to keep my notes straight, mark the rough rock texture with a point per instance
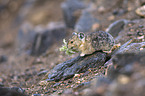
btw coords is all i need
(76, 65)
(132, 30)
(128, 74)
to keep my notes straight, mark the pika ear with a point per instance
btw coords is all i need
(81, 35)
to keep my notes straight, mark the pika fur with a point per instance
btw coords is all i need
(89, 43)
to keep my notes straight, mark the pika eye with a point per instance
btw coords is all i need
(71, 42)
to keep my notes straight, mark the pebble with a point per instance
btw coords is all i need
(43, 82)
(38, 95)
(1, 84)
(3, 58)
(42, 73)
(123, 79)
(112, 17)
(56, 84)
(140, 11)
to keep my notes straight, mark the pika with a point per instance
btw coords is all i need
(89, 43)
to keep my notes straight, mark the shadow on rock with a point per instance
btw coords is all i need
(14, 91)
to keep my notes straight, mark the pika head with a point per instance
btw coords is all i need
(75, 42)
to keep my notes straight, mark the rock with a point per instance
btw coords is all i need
(99, 81)
(70, 7)
(129, 52)
(85, 22)
(3, 58)
(37, 61)
(36, 41)
(14, 91)
(140, 11)
(1, 82)
(108, 63)
(76, 65)
(25, 37)
(45, 38)
(42, 72)
(96, 88)
(103, 4)
(18, 89)
(132, 30)
(127, 77)
(129, 47)
(126, 86)
(56, 84)
(119, 12)
(130, 58)
(37, 95)
(116, 27)
(128, 74)
(67, 92)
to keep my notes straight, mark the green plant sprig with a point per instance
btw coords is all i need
(66, 49)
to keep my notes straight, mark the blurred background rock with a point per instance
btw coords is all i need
(19, 17)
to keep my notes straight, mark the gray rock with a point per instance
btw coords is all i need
(105, 3)
(45, 38)
(99, 81)
(130, 47)
(1, 82)
(116, 27)
(3, 58)
(128, 53)
(69, 8)
(25, 37)
(37, 94)
(14, 91)
(132, 30)
(96, 85)
(85, 22)
(56, 84)
(36, 41)
(122, 59)
(42, 72)
(84, 84)
(119, 12)
(76, 65)
(126, 48)
(128, 75)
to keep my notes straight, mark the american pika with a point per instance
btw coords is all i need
(89, 43)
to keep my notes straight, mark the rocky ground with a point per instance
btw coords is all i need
(31, 33)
